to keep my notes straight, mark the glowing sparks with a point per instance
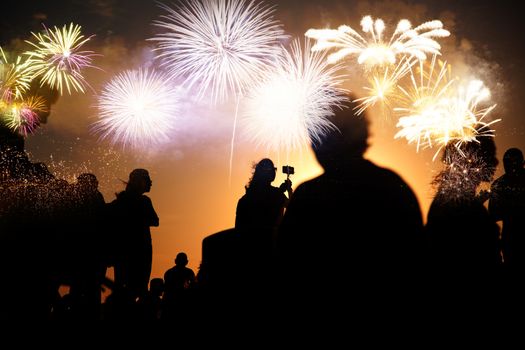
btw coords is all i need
(439, 110)
(23, 116)
(466, 167)
(383, 85)
(421, 104)
(15, 78)
(413, 42)
(137, 108)
(291, 106)
(219, 46)
(57, 58)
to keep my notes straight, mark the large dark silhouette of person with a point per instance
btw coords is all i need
(507, 204)
(463, 237)
(350, 238)
(237, 263)
(132, 214)
(179, 281)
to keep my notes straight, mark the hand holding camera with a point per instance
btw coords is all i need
(286, 186)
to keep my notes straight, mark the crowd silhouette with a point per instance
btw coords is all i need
(350, 241)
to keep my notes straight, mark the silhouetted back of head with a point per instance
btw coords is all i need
(156, 286)
(347, 139)
(181, 259)
(88, 181)
(513, 160)
(467, 165)
(40, 173)
(139, 181)
(264, 172)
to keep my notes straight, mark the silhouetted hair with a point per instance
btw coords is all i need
(181, 259)
(467, 163)
(263, 172)
(513, 160)
(87, 179)
(135, 178)
(514, 153)
(156, 285)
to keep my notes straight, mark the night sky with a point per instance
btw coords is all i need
(192, 191)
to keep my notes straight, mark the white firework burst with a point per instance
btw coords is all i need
(219, 46)
(137, 108)
(439, 109)
(375, 50)
(291, 106)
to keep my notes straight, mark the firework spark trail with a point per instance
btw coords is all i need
(466, 167)
(219, 46)
(438, 109)
(420, 108)
(57, 60)
(15, 78)
(138, 108)
(290, 107)
(414, 42)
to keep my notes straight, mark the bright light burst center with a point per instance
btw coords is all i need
(138, 108)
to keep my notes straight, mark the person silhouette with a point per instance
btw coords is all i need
(262, 206)
(86, 243)
(178, 281)
(150, 306)
(507, 204)
(463, 237)
(351, 237)
(133, 214)
(258, 214)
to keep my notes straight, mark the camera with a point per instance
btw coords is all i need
(288, 170)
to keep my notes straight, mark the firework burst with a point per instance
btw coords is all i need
(15, 78)
(465, 167)
(219, 46)
(290, 107)
(383, 86)
(138, 108)
(23, 116)
(405, 40)
(57, 58)
(438, 109)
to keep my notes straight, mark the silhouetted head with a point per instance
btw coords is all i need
(467, 165)
(10, 140)
(181, 259)
(475, 158)
(87, 181)
(513, 160)
(139, 181)
(156, 286)
(263, 172)
(346, 140)
(39, 173)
